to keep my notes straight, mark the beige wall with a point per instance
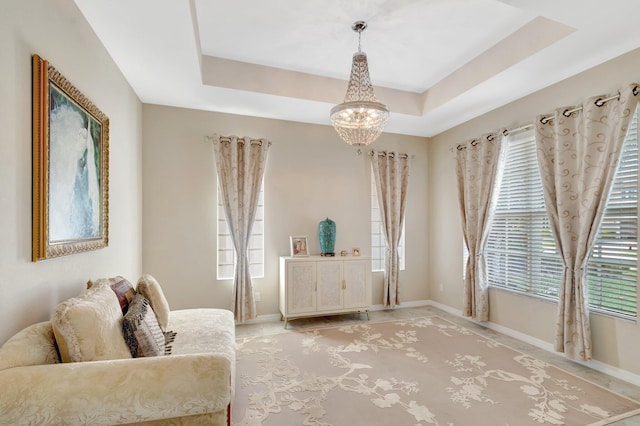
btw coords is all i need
(57, 31)
(310, 175)
(615, 342)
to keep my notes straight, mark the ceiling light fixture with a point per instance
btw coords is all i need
(360, 119)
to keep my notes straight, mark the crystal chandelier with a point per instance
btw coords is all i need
(360, 119)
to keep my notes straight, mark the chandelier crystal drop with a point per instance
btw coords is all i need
(360, 119)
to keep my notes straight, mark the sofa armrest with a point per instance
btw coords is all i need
(115, 391)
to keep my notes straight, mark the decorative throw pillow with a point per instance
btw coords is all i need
(149, 287)
(124, 292)
(89, 327)
(121, 287)
(141, 330)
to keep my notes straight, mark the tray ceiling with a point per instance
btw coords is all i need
(435, 63)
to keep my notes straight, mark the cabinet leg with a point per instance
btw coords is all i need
(368, 318)
(281, 316)
(285, 322)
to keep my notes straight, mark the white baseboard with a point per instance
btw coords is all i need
(446, 308)
(412, 304)
(263, 318)
(520, 336)
(616, 372)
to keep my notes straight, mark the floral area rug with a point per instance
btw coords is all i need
(421, 371)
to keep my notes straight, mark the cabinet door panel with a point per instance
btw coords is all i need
(329, 295)
(357, 292)
(301, 284)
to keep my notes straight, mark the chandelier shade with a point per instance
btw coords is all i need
(360, 119)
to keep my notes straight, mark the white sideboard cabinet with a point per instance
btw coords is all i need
(316, 285)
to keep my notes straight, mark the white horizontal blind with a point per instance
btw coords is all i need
(521, 251)
(226, 253)
(378, 246)
(465, 258)
(612, 267)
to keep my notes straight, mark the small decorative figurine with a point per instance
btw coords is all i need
(343, 253)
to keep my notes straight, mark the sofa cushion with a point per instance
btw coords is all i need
(205, 330)
(89, 327)
(121, 287)
(34, 345)
(141, 330)
(149, 287)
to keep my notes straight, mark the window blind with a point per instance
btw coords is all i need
(612, 267)
(226, 259)
(521, 252)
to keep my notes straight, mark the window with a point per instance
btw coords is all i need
(521, 251)
(226, 252)
(612, 267)
(378, 246)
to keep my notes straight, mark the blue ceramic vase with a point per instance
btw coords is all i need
(327, 237)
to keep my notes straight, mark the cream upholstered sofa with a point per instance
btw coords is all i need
(194, 384)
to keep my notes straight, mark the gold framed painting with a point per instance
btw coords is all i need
(70, 167)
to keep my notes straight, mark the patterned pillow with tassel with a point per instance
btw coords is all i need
(141, 330)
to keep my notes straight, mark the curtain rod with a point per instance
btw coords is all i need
(546, 119)
(241, 140)
(599, 102)
(384, 153)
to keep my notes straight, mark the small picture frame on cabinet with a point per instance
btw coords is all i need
(299, 246)
(355, 251)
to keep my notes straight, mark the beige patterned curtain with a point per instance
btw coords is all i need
(240, 163)
(391, 174)
(578, 153)
(479, 171)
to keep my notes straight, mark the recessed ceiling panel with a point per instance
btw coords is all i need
(410, 44)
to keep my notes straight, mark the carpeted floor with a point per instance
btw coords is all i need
(414, 371)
